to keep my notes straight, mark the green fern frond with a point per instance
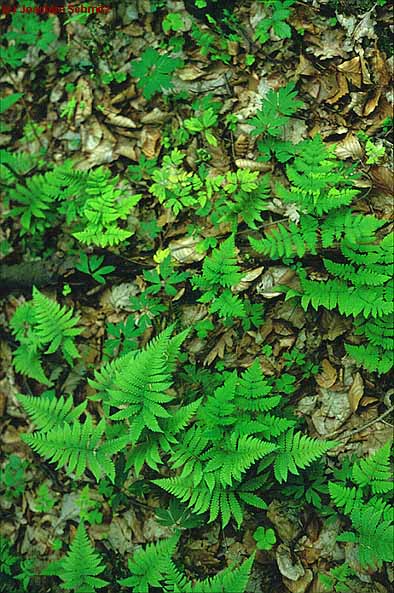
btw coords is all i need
(297, 451)
(46, 411)
(375, 471)
(82, 565)
(55, 325)
(289, 241)
(220, 269)
(27, 361)
(345, 496)
(228, 305)
(375, 535)
(148, 567)
(77, 446)
(373, 358)
(253, 390)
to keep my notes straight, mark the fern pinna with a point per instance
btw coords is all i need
(366, 504)
(360, 282)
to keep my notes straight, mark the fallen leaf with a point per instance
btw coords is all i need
(349, 147)
(352, 70)
(356, 392)
(328, 376)
(150, 142)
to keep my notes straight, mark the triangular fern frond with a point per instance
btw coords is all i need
(82, 565)
(375, 471)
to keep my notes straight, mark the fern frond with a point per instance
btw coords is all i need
(345, 496)
(375, 471)
(297, 451)
(77, 446)
(289, 241)
(228, 305)
(82, 565)
(253, 389)
(27, 361)
(140, 386)
(376, 535)
(148, 567)
(55, 325)
(373, 358)
(46, 411)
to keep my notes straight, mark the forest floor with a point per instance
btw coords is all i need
(128, 89)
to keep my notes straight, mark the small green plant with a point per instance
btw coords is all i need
(8, 101)
(42, 327)
(80, 567)
(265, 538)
(338, 578)
(203, 123)
(270, 121)
(44, 502)
(12, 477)
(154, 71)
(89, 508)
(177, 515)
(92, 266)
(279, 11)
(374, 152)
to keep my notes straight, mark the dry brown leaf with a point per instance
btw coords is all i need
(349, 147)
(252, 165)
(84, 98)
(219, 348)
(247, 279)
(383, 178)
(150, 142)
(118, 120)
(356, 392)
(367, 400)
(184, 250)
(328, 376)
(352, 70)
(191, 72)
(342, 90)
(372, 103)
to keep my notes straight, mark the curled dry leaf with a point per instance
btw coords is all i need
(356, 392)
(247, 279)
(118, 120)
(150, 142)
(289, 565)
(349, 147)
(252, 165)
(383, 179)
(184, 250)
(341, 91)
(328, 376)
(352, 70)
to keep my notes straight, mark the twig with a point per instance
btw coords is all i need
(361, 428)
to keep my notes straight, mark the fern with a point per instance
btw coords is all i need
(154, 567)
(102, 209)
(289, 241)
(375, 471)
(47, 412)
(148, 567)
(297, 451)
(220, 270)
(228, 305)
(55, 325)
(77, 446)
(42, 324)
(372, 519)
(82, 565)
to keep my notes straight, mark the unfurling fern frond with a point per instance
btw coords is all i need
(297, 451)
(375, 471)
(82, 565)
(78, 447)
(47, 411)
